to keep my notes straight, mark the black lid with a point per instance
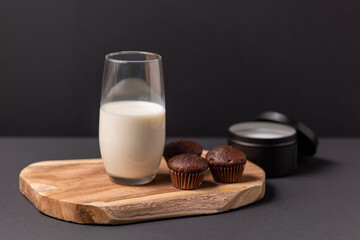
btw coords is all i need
(307, 139)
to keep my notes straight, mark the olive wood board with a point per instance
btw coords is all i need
(80, 191)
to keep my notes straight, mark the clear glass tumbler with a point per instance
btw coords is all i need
(132, 116)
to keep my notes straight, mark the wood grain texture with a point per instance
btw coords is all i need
(80, 191)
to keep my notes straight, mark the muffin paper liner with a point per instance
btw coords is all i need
(227, 174)
(186, 180)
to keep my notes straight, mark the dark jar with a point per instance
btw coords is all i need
(272, 146)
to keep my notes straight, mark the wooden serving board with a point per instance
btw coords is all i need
(80, 191)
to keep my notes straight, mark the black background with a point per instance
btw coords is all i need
(224, 61)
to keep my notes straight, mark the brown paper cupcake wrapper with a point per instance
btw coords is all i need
(227, 174)
(186, 180)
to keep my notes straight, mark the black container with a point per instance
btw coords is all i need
(272, 146)
(306, 137)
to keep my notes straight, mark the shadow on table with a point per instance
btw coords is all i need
(270, 194)
(313, 165)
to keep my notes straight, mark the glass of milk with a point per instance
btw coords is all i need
(132, 116)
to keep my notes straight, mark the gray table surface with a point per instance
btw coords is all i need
(320, 201)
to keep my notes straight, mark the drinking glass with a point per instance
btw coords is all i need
(132, 116)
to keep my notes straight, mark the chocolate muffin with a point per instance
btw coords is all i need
(226, 163)
(187, 170)
(181, 147)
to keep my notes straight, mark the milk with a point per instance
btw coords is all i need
(132, 138)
